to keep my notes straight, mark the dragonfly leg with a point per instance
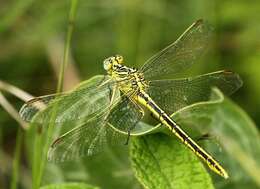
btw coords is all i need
(128, 137)
(210, 137)
(129, 132)
(205, 136)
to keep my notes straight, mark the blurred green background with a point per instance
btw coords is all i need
(32, 37)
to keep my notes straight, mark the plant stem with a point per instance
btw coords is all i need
(40, 160)
(17, 156)
(72, 16)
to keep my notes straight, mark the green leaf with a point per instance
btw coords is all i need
(69, 186)
(238, 148)
(237, 145)
(160, 161)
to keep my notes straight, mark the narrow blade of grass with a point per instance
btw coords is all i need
(17, 157)
(43, 141)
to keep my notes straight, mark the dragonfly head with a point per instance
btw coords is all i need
(111, 61)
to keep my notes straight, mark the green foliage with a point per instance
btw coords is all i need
(69, 186)
(160, 161)
(236, 135)
(16, 162)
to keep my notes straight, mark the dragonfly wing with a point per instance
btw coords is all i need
(35, 105)
(82, 102)
(179, 55)
(173, 95)
(125, 115)
(84, 140)
(95, 134)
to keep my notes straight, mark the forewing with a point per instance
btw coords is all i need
(80, 103)
(179, 55)
(172, 95)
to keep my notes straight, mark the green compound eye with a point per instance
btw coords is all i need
(107, 64)
(119, 59)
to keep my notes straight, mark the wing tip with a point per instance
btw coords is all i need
(50, 155)
(56, 142)
(24, 114)
(199, 21)
(233, 79)
(235, 75)
(30, 108)
(205, 26)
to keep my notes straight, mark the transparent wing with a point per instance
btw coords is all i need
(94, 135)
(86, 139)
(126, 115)
(172, 95)
(179, 55)
(84, 101)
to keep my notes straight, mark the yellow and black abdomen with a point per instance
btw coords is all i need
(146, 100)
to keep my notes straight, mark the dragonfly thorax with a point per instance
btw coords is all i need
(129, 79)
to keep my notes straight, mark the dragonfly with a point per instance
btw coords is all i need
(108, 109)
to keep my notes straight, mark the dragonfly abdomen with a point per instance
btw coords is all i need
(147, 101)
